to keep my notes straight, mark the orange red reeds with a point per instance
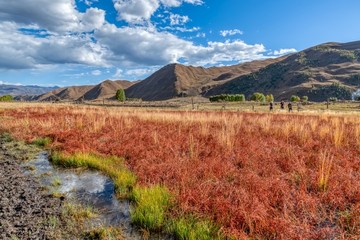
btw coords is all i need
(272, 176)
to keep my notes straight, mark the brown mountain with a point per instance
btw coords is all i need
(106, 89)
(177, 80)
(320, 72)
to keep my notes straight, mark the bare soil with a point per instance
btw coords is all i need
(25, 209)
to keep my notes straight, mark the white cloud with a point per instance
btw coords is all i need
(139, 72)
(56, 16)
(21, 51)
(176, 19)
(93, 18)
(89, 2)
(181, 29)
(228, 51)
(138, 46)
(9, 83)
(136, 11)
(141, 11)
(96, 73)
(232, 32)
(88, 39)
(284, 51)
(118, 73)
(177, 3)
(60, 15)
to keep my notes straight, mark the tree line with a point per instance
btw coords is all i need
(257, 97)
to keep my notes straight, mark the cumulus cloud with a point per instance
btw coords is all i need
(136, 11)
(86, 38)
(284, 51)
(60, 15)
(232, 32)
(228, 51)
(21, 51)
(93, 18)
(140, 46)
(55, 16)
(141, 11)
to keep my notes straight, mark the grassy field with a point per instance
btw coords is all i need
(214, 174)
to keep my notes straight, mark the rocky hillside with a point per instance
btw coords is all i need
(176, 80)
(320, 72)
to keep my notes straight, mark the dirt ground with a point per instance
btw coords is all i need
(25, 209)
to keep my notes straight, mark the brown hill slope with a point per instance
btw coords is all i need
(66, 93)
(106, 89)
(320, 72)
(176, 80)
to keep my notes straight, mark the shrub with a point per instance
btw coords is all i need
(258, 97)
(269, 98)
(295, 98)
(6, 98)
(228, 98)
(304, 98)
(120, 95)
(42, 142)
(333, 99)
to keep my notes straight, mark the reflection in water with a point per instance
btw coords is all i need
(88, 188)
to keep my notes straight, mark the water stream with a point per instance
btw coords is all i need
(88, 188)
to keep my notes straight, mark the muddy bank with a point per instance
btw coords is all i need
(25, 209)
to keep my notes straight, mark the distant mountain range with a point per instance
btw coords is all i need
(16, 90)
(320, 72)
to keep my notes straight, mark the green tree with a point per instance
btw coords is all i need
(304, 98)
(6, 98)
(269, 98)
(258, 97)
(227, 98)
(295, 98)
(120, 95)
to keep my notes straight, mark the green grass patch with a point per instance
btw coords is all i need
(194, 229)
(77, 212)
(104, 233)
(6, 137)
(56, 182)
(114, 167)
(151, 204)
(42, 141)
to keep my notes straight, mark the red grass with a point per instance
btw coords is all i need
(263, 182)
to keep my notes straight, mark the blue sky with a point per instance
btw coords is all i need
(77, 42)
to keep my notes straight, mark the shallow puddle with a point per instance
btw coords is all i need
(88, 188)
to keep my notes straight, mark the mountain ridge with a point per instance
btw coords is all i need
(326, 70)
(19, 90)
